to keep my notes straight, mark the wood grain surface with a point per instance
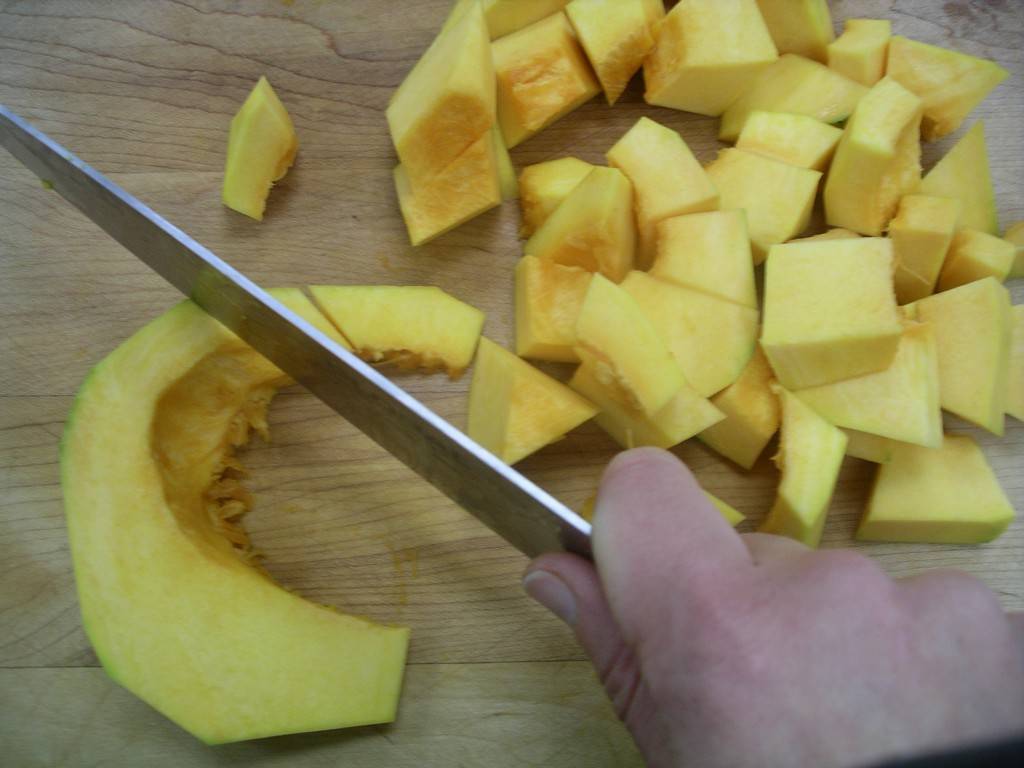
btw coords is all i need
(144, 92)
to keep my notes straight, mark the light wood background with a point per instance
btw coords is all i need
(144, 91)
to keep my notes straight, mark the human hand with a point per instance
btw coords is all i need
(719, 649)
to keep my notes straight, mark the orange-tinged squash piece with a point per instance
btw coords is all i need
(705, 54)
(803, 27)
(301, 305)
(549, 297)
(950, 83)
(946, 495)
(515, 409)
(411, 326)
(1015, 234)
(973, 256)
(592, 228)
(921, 234)
(542, 75)
(810, 454)
(860, 52)
(667, 180)
(751, 411)
(963, 174)
(261, 148)
(543, 187)
(837, 233)
(799, 140)
(1015, 376)
(868, 447)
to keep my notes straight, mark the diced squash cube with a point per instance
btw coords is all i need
(621, 347)
(972, 330)
(950, 83)
(411, 326)
(708, 252)
(963, 174)
(743, 179)
(947, 495)
(705, 55)
(447, 102)
(684, 415)
(803, 27)
(1015, 377)
(921, 234)
(901, 402)
(860, 52)
(1015, 234)
(974, 256)
(829, 311)
(732, 516)
(507, 16)
(878, 160)
(515, 409)
(868, 447)
(549, 297)
(797, 85)
(751, 411)
(837, 233)
(795, 139)
(542, 76)
(667, 180)
(592, 228)
(301, 305)
(506, 171)
(710, 338)
(543, 187)
(810, 454)
(616, 35)
(261, 148)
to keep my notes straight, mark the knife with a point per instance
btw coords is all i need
(518, 510)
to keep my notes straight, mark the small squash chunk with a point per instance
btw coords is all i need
(868, 447)
(829, 310)
(708, 252)
(542, 76)
(951, 84)
(803, 27)
(543, 187)
(878, 160)
(515, 409)
(861, 50)
(810, 454)
(974, 256)
(742, 179)
(1015, 234)
(946, 495)
(837, 233)
(616, 35)
(684, 415)
(921, 234)
(711, 339)
(411, 326)
(549, 297)
(795, 139)
(797, 85)
(593, 228)
(963, 174)
(261, 148)
(705, 55)
(1015, 377)
(507, 16)
(506, 171)
(667, 180)
(901, 402)
(301, 305)
(751, 411)
(972, 330)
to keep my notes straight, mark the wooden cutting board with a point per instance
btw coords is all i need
(145, 91)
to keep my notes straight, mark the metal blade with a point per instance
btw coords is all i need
(522, 513)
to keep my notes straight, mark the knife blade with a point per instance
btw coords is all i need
(511, 505)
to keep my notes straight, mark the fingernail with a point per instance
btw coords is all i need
(551, 592)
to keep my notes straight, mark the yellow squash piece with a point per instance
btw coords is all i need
(860, 52)
(542, 76)
(705, 55)
(708, 252)
(549, 297)
(504, 17)
(795, 139)
(711, 339)
(506, 171)
(411, 326)
(301, 305)
(797, 85)
(592, 228)
(803, 27)
(1015, 234)
(950, 83)
(921, 234)
(972, 328)
(743, 178)
(169, 599)
(515, 409)
(963, 174)
(810, 454)
(751, 411)
(901, 402)
(829, 310)
(973, 256)
(1015, 377)
(837, 233)
(878, 160)
(667, 180)
(543, 187)
(261, 148)
(868, 447)
(947, 495)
